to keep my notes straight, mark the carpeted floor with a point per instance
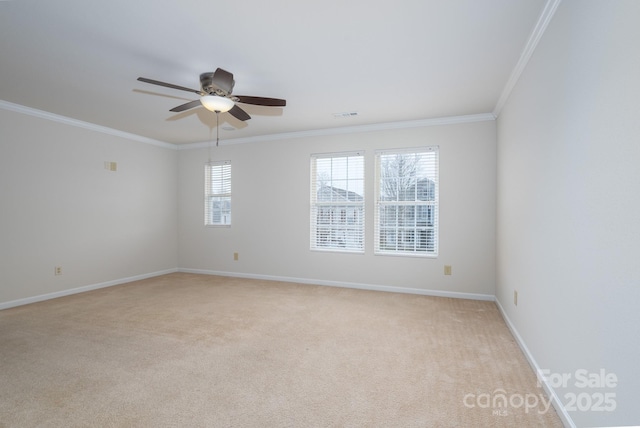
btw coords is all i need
(185, 350)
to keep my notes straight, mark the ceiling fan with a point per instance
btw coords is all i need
(215, 95)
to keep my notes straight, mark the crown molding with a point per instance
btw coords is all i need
(17, 108)
(349, 130)
(539, 29)
(6, 105)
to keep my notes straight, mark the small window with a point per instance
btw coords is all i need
(337, 202)
(217, 193)
(406, 218)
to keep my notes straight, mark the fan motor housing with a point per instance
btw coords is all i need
(208, 85)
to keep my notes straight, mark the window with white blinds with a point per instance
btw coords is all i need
(337, 202)
(406, 216)
(217, 193)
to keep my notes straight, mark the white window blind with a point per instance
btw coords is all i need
(217, 193)
(406, 217)
(337, 202)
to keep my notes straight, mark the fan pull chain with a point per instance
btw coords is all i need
(217, 127)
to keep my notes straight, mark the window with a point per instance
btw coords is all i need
(217, 193)
(337, 202)
(406, 217)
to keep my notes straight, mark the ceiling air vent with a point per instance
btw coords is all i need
(345, 115)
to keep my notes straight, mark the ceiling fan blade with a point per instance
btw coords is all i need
(168, 85)
(261, 101)
(187, 106)
(223, 80)
(239, 114)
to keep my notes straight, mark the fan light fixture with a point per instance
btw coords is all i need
(216, 103)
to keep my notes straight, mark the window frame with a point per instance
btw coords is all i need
(338, 219)
(403, 204)
(217, 186)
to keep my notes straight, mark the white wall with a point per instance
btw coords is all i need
(568, 201)
(270, 228)
(60, 207)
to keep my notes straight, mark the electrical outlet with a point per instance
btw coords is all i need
(515, 297)
(57, 270)
(235, 256)
(447, 269)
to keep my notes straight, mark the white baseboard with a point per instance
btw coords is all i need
(555, 400)
(386, 288)
(62, 293)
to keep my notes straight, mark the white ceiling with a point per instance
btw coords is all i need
(388, 61)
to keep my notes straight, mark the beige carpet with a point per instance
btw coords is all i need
(186, 350)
